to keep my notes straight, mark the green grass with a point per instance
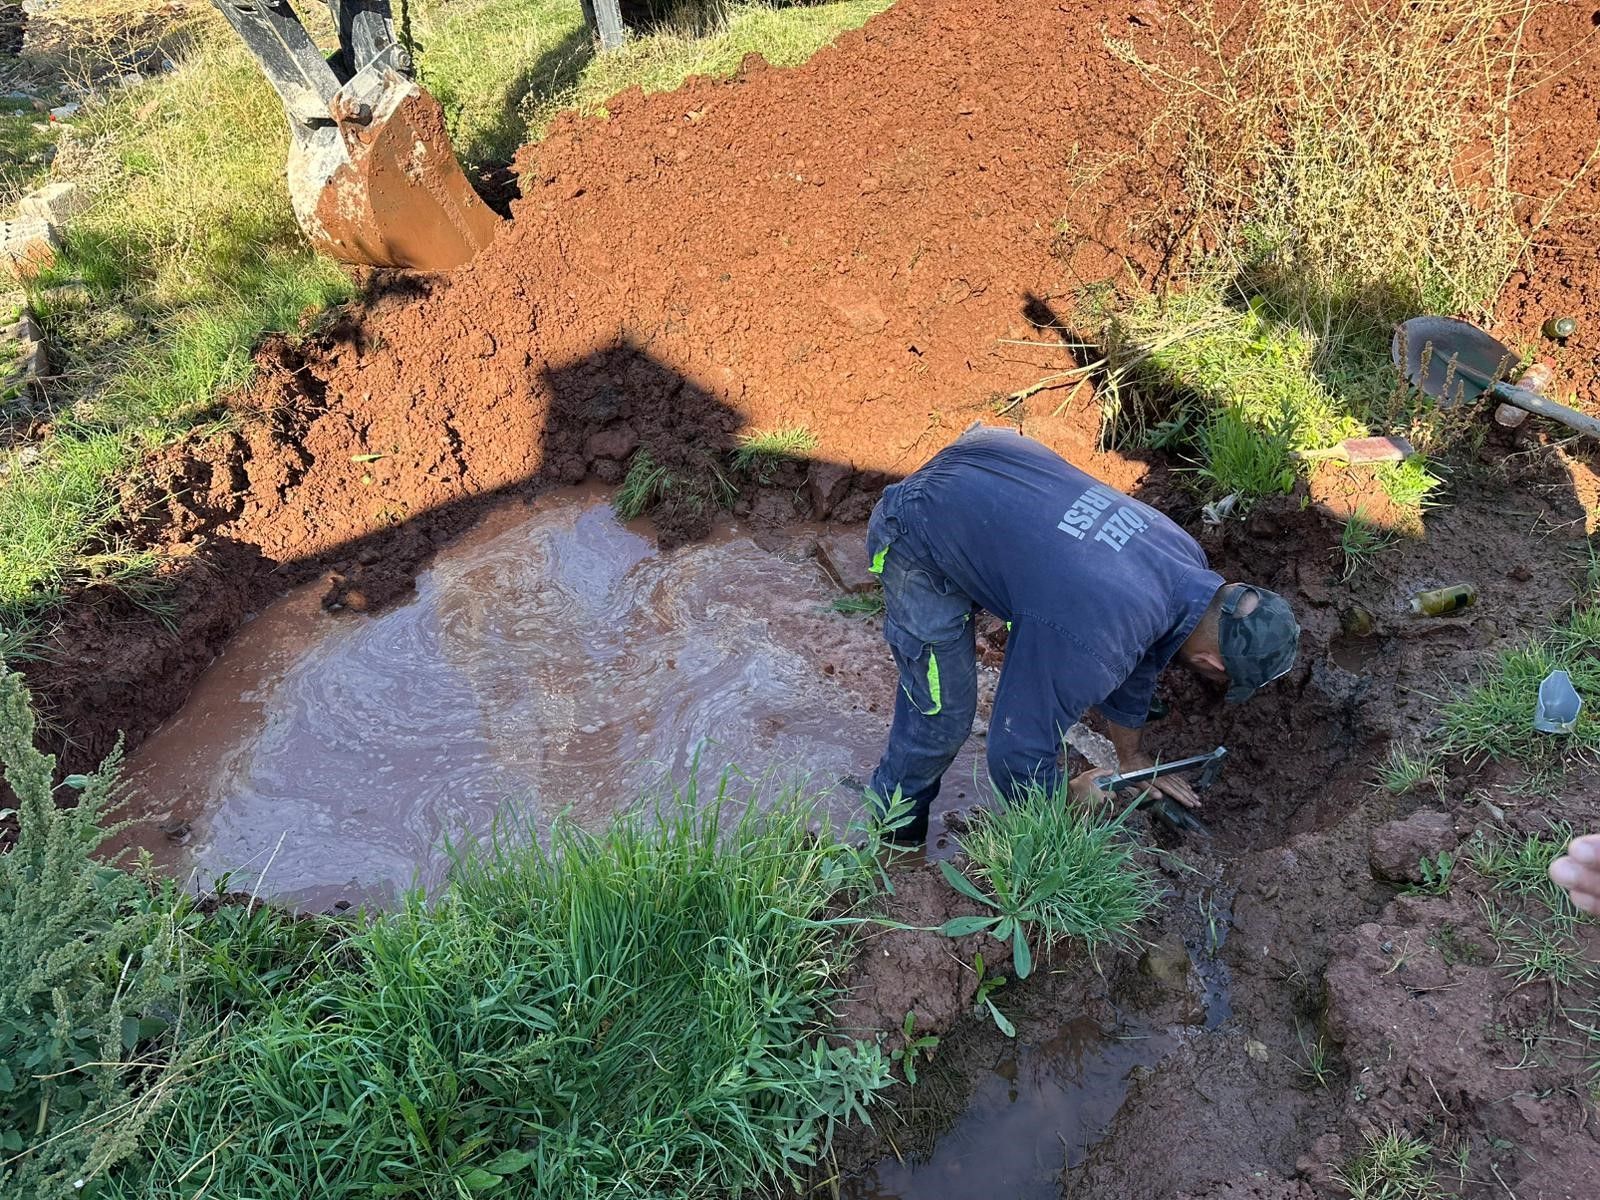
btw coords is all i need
(504, 69)
(1393, 1166)
(1532, 922)
(642, 1011)
(1406, 769)
(646, 484)
(1227, 385)
(632, 1013)
(1360, 543)
(1494, 716)
(1044, 866)
(188, 276)
(25, 141)
(759, 453)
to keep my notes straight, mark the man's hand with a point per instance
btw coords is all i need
(1578, 870)
(1174, 786)
(1082, 788)
(1130, 758)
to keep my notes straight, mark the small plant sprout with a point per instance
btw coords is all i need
(1314, 1061)
(915, 1047)
(859, 604)
(1392, 1167)
(1436, 872)
(1360, 542)
(987, 986)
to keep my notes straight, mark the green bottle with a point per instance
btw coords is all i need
(1560, 327)
(1439, 601)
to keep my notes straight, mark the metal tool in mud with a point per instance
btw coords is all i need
(1457, 363)
(1164, 809)
(372, 175)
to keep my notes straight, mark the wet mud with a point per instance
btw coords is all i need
(857, 246)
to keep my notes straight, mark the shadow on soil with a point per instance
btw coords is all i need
(1191, 1061)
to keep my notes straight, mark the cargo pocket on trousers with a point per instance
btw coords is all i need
(919, 669)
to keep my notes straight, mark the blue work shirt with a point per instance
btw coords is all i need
(1099, 590)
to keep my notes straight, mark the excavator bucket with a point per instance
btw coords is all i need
(382, 187)
(372, 175)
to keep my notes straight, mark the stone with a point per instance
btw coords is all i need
(56, 203)
(27, 246)
(1322, 1160)
(615, 443)
(1509, 416)
(843, 555)
(67, 295)
(1395, 850)
(1147, 13)
(826, 484)
(1167, 962)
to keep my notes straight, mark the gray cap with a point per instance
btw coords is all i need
(1259, 646)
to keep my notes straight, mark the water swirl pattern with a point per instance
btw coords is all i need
(551, 661)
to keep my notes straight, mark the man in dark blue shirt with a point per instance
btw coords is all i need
(1099, 593)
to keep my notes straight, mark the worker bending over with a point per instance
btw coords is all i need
(1099, 593)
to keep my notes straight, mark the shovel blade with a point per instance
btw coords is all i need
(1453, 361)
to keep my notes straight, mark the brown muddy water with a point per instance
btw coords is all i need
(553, 660)
(1037, 1111)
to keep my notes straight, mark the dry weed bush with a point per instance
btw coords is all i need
(1353, 157)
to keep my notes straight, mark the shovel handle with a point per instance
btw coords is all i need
(1530, 401)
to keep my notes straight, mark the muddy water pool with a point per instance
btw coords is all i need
(552, 660)
(1036, 1111)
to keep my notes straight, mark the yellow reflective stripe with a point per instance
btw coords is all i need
(933, 688)
(877, 561)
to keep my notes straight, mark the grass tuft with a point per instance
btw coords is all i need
(1405, 769)
(1392, 1167)
(1046, 865)
(759, 454)
(1360, 543)
(1533, 923)
(1494, 717)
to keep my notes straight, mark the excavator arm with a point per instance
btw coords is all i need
(372, 175)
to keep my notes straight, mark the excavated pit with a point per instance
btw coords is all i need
(554, 660)
(878, 246)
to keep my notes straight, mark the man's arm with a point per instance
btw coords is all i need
(1130, 757)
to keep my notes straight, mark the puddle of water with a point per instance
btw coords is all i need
(1354, 654)
(552, 660)
(1039, 1110)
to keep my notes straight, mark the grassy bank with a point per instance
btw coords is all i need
(639, 1012)
(1341, 171)
(645, 1011)
(190, 253)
